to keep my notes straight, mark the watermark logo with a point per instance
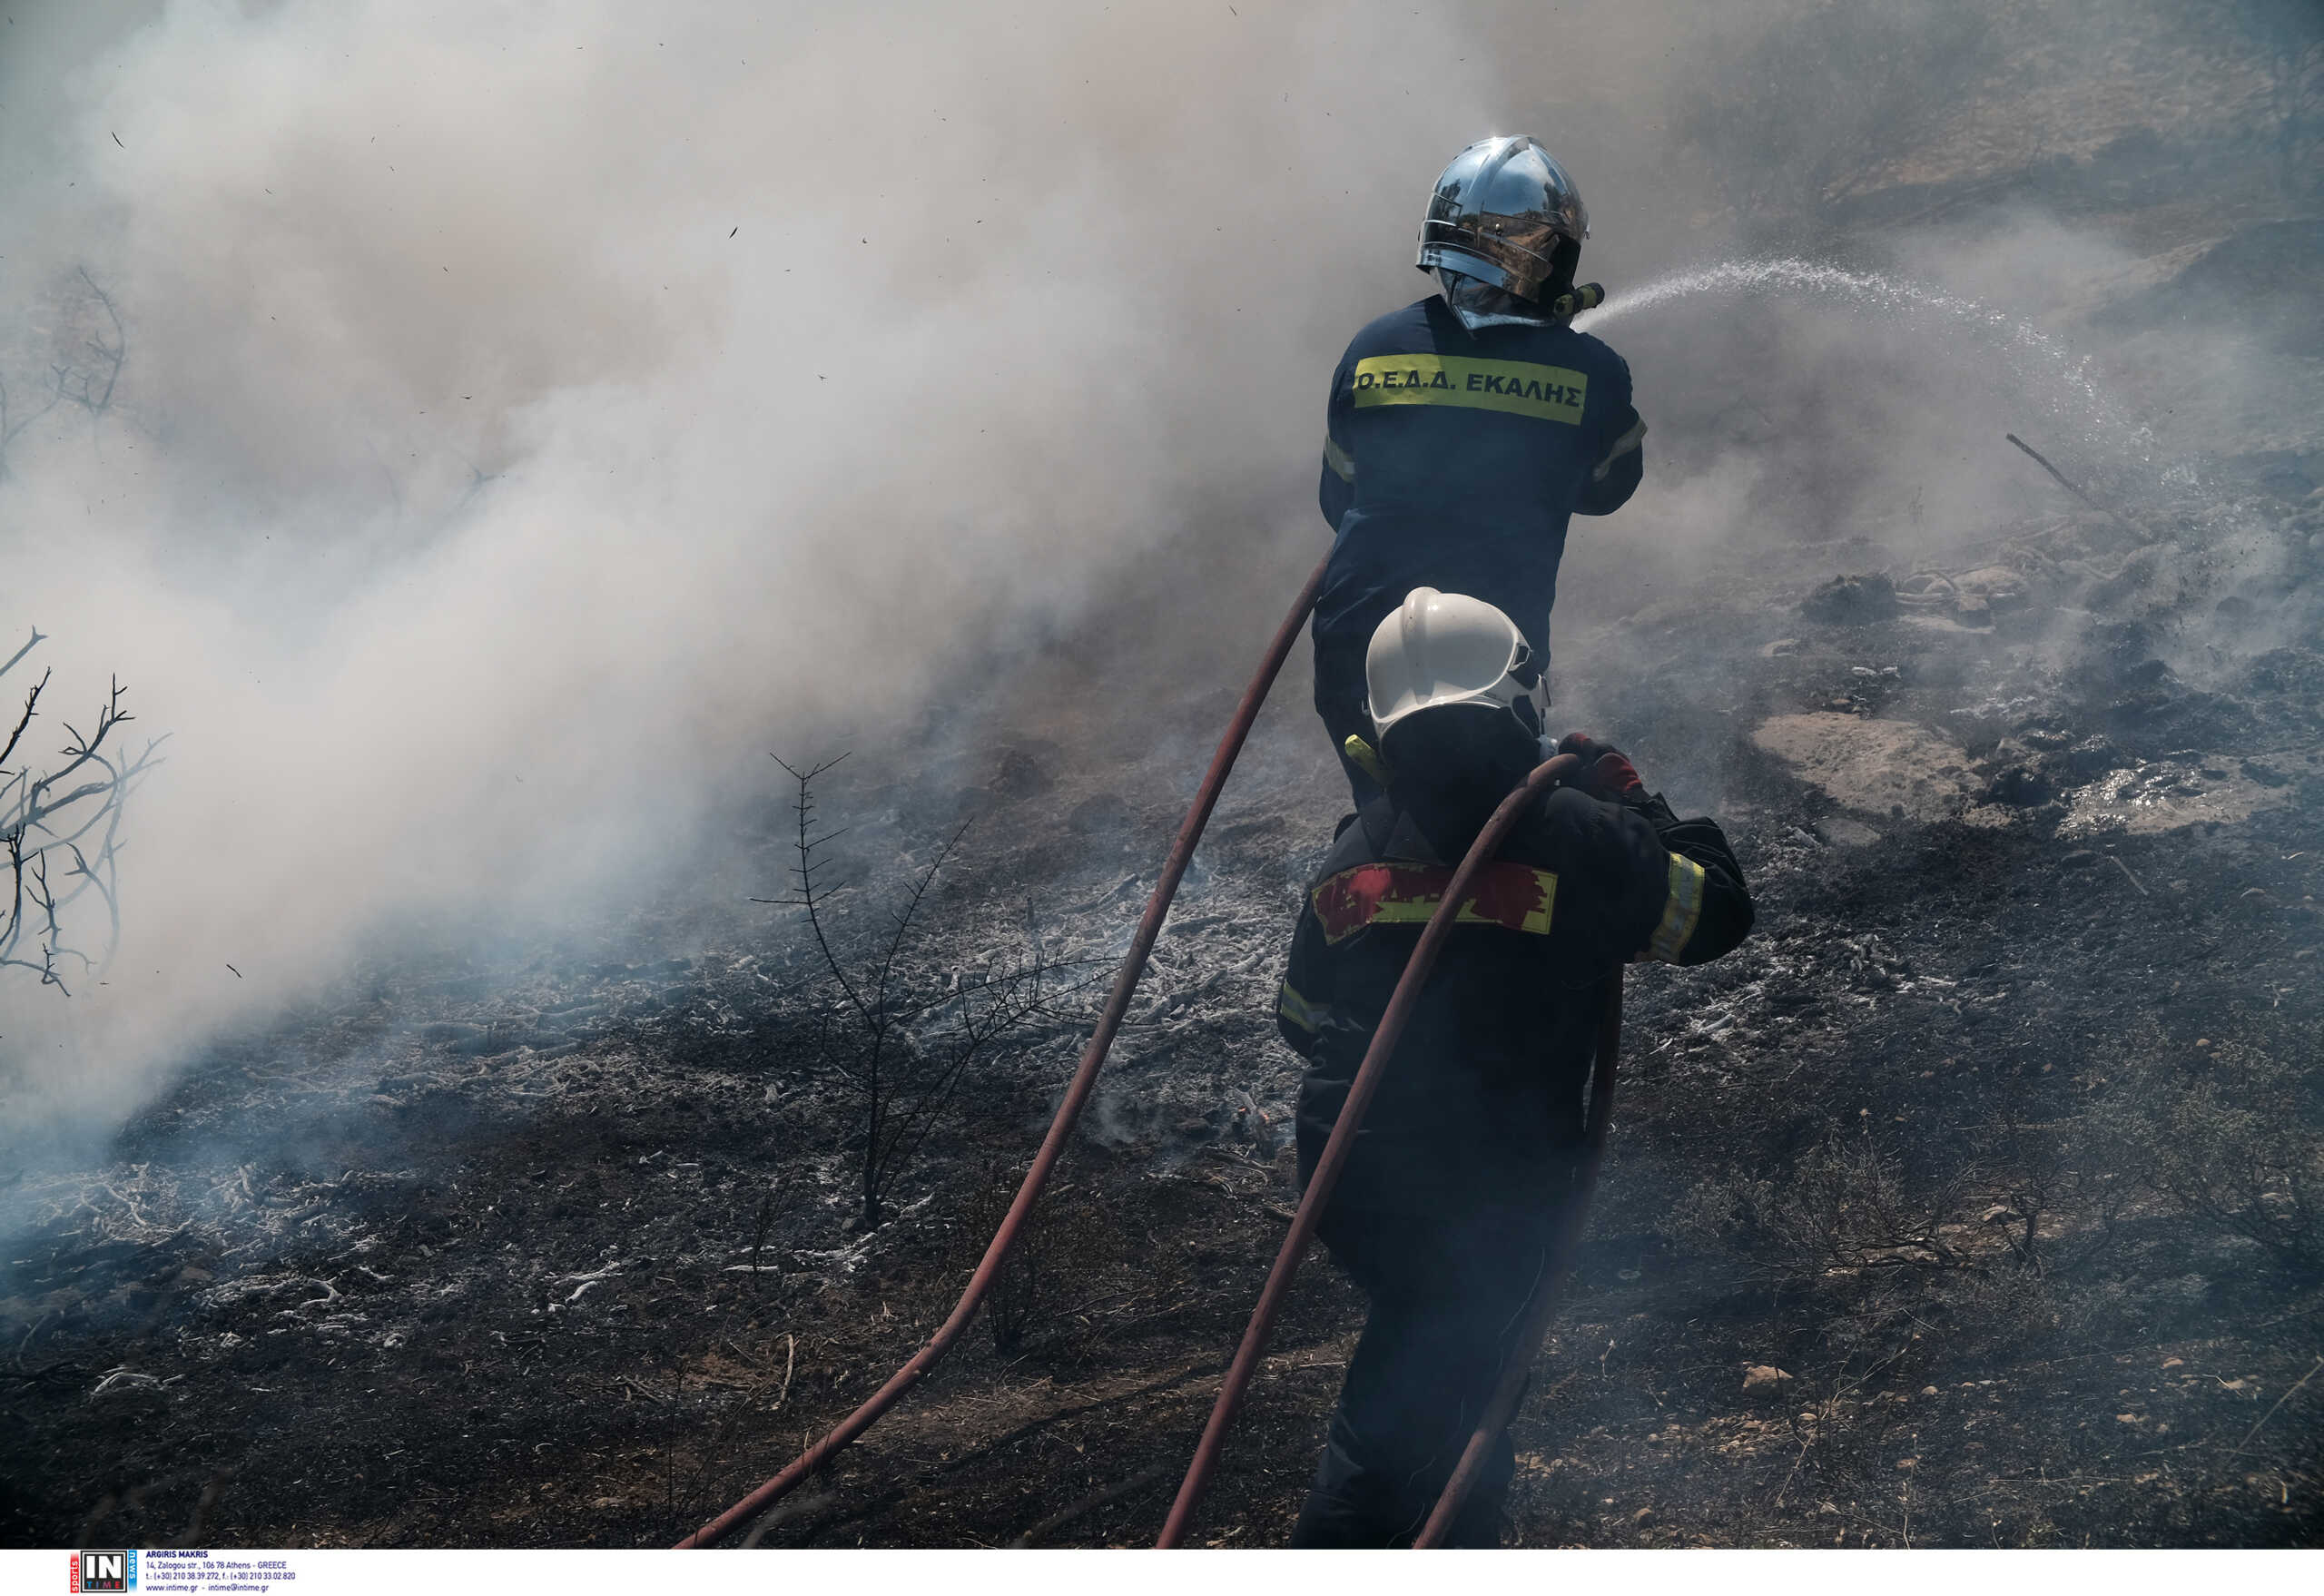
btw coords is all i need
(105, 1571)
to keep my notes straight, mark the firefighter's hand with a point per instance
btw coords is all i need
(1606, 771)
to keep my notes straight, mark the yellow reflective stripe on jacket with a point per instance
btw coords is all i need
(1297, 1009)
(1342, 463)
(1520, 388)
(1622, 446)
(1679, 915)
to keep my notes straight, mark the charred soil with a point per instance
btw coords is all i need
(1977, 1200)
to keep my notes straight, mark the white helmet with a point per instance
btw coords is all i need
(1445, 648)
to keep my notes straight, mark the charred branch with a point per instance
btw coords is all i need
(61, 832)
(901, 1038)
(12, 423)
(90, 378)
(87, 353)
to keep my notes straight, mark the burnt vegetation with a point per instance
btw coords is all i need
(1972, 1202)
(903, 1036)
(70, 363)
(1975, 1201)
(61, 835)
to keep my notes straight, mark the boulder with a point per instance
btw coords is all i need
(1876, 767)
(1853, 601)
(1988, 591)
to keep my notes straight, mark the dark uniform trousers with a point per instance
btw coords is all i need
(1448, 1298)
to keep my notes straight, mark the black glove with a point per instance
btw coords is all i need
(1606, 771)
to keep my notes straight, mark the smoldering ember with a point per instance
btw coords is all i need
(456, 1090)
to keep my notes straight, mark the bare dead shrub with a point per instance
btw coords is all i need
(81, 345)
(60, 838)
(1070, 1241)
(1712, 1217)
(1846, 1205)
(2054, 1195)
(901, 1031)
(2233, 1137)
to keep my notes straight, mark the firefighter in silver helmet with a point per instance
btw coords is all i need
(1464, 430)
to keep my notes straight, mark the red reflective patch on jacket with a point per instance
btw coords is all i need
(1515, 897)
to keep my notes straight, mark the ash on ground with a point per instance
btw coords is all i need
(1977, 1200)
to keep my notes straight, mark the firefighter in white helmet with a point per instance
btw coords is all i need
(1445, 1210)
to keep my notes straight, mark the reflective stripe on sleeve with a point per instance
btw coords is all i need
(1628, 441)
(1679, 913)
(1342, 463)
(1308, 1016)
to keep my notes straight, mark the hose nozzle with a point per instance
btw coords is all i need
(1587, 295)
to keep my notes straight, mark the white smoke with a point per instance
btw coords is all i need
(533, 412)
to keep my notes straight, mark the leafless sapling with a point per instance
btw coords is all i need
(60, 837)
(900, 1031)
(89, 346)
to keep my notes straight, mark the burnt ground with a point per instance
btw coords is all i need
(1973, 1202)
(563, 1249)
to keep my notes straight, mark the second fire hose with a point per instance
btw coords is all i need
(1319, 1191)
(1068, 1112)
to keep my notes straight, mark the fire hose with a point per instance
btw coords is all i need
(1068, 1110)
(1540, 1311)
(1342, 1144)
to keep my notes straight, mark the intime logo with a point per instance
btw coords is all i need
(105, 1571)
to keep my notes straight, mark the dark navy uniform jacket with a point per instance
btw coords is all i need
(1482, 1099)
(1454, 460)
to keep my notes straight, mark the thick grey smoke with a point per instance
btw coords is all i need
(531, 413)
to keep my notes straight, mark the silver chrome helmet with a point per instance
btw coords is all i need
(1506, 214)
